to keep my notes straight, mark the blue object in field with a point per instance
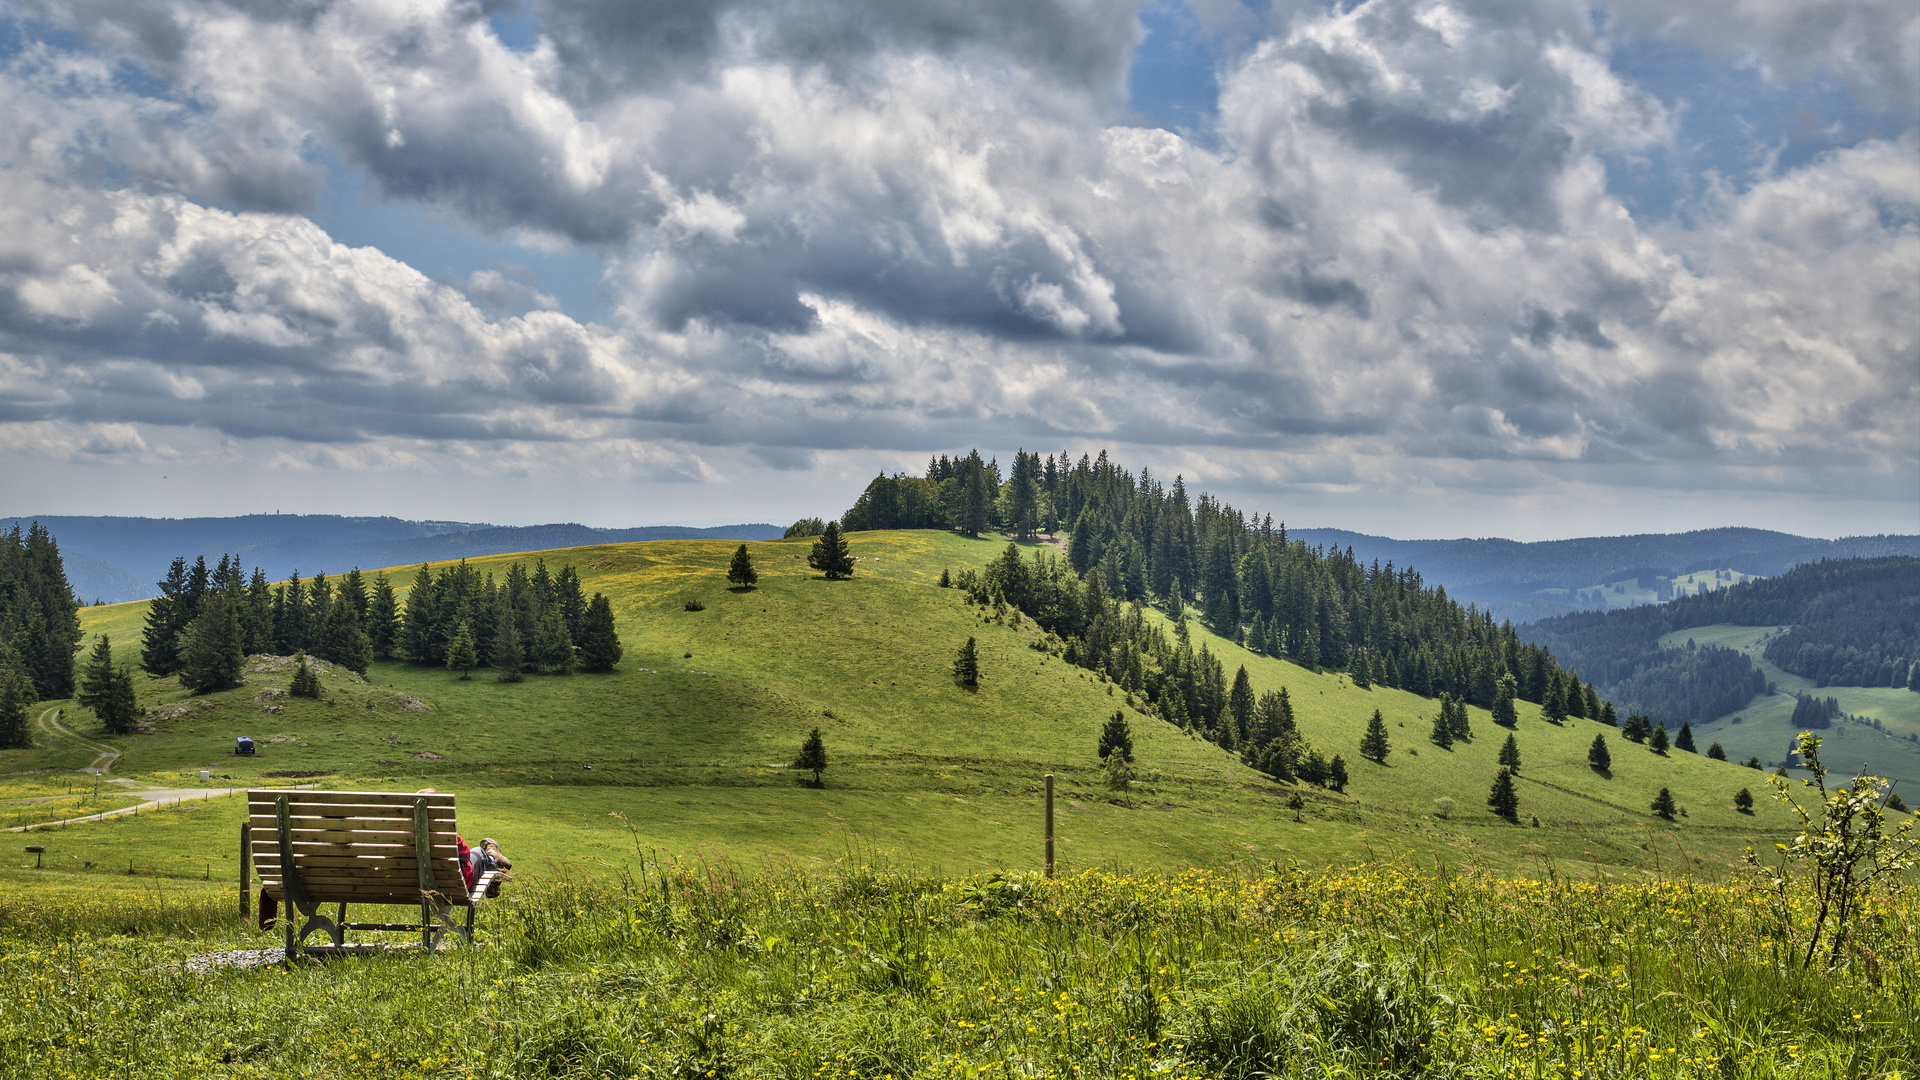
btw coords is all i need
(243, 746)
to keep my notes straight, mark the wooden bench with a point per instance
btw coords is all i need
(359, 847)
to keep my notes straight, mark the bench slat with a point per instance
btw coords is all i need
(369, 798)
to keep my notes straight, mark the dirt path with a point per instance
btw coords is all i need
(106, 755)
(156, 798)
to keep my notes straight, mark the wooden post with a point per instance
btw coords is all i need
(1049, 826)
(246, 866)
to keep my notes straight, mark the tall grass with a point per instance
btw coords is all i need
(688, 969)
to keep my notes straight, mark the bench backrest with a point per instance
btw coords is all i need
(358, 847)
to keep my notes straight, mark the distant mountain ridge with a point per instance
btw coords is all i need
(120, 558)
(1508, 576)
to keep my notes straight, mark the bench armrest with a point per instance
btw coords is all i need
(480, 886)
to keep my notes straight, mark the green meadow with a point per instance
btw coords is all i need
(685, 906)
(690, 742)
(1764, 728)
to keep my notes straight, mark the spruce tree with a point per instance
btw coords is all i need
(946, 579)
(1576, 697)
(1462, 730)
(599, 644)
(1504, 712)
(1337, 773)
(15, 697)
(1607, 715)
(1637, 728)
(305, 683)
(829, 555)
(1240, 705)
(1743, 801)
(1717, 752)
(1659, 741)
(212, 657)
(1503, 799)
(460, 654)
(552, 647)
(813, 757)
(1442, 733)
(108, 690)
(1684, 740)
(1663, 804)
(1116, 737)
(383, 619)
(741, 572)
(966, 666)
(96, 679)
(1598, 755)
(508, 658)
(1554, 708)
(1374, 743)
(1596, 709)
(1510, 753)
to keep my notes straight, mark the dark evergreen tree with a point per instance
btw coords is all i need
(1504, 712)
(342, 639)
(212, 657)
(383, 619)
(1598, 755)
(1743, 801)
(1596, 709)
(1442, 733)
(16, 696)
(417, 626)
(1554, 708)
(1663, 804)
(1684, 740)
(96, 678)
(160, 641)
(1462, 728)
(552, 649)
(1337, 773)
(1510, 753)
(1503, 799)
(256, 618)
(460, 652)
(1607, 715)
(741, 571)
(1240, 706)
(813, 757)
(966, 666)
(1658, 743)
(572, 601)
(508, 658)
(1374, 743)
(1637, 728)
(1315, 769)
(1752, 762)
(39, 616)
(1576, 697)
(946, 579)
(829, 555)
(1116, 737)
(1717, 752)
(599, 645)
(305, 683)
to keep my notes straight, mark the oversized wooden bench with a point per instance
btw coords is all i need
(359, 847)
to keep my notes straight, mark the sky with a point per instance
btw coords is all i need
(1421, 268)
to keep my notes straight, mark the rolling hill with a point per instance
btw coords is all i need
(688, 743)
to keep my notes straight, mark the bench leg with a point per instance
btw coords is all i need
(468, 931)
(340, 925)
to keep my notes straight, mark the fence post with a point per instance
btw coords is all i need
(246, 866)
(1049, 826)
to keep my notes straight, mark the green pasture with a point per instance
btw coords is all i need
(689, 742)
(1764, 728)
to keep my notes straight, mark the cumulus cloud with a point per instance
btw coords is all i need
(833, 227)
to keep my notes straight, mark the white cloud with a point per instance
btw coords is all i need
(1402, 264)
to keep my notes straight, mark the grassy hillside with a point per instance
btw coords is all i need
(1764, 728)
(689, 742)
